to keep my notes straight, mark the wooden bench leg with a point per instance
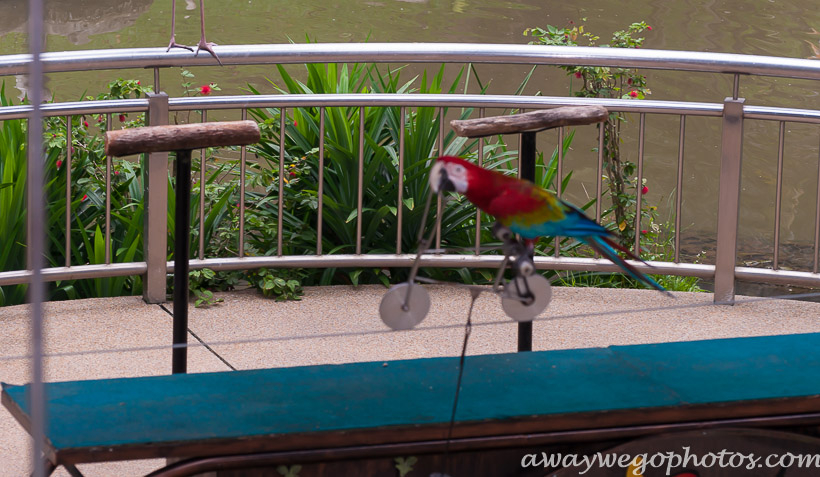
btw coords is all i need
(73, 470)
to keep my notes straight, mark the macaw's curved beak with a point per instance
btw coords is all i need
(444, 182)
(440, 181)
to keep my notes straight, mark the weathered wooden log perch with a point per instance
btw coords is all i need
(530, 122)
(124, 142)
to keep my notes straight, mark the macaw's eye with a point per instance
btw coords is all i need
(458, 169)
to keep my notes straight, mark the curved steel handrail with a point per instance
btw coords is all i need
(408, 100)
(728, 63)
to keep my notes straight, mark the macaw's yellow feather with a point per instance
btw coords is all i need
(539, 207)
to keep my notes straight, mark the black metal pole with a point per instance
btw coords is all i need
(182, 221)
(527, 168)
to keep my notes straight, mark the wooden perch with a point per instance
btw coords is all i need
(125, 142)
(530, 122)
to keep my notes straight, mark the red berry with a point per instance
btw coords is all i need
(633, 93)
(59, 163)
(122, 118)
(644, 190)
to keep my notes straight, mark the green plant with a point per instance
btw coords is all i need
(341, 163)
(605, 82)
(86, 202)
(405, 466)
(292, 471)
(199, 282)
(88, 180)
(190, 90)
(12, 202)
(280, 284)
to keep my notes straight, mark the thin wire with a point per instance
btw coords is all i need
(166, 310)
(343, 334)
(468, 327)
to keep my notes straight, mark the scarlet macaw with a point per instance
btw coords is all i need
(527, 209)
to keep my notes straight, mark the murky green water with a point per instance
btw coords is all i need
(766, 27)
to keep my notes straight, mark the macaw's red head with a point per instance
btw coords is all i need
(455, 174)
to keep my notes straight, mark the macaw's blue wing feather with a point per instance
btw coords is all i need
(606, 247)
(533, 212)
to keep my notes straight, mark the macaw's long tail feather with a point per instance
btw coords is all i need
(606, 247)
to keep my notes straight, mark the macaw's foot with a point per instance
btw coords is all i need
(503, 233)
(205, 45)
(174, 44)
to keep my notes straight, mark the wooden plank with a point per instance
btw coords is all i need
(124, 142)
(331, 406)
(530, 122)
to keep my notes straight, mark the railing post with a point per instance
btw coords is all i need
(731, 155)
(155, 226)
(527, 170)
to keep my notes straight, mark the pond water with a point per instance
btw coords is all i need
(766, 27)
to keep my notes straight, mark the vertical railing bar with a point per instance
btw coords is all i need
(108, 198)
(639, 184)
(36, 233)
(156, 80)
(321, 191)
(360, 183)
(281, 199)
(243, 151)
(68, 134)
(440, 153)
(736, 86)
(560, 178)
(477, 211)
(202, 194)
(599, 178)
(679, 187)
(778, 192)
(518, 166)
(399, 203)
(817, 218)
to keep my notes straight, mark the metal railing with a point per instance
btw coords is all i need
(733, 112)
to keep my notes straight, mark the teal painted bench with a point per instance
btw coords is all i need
(402, 407)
